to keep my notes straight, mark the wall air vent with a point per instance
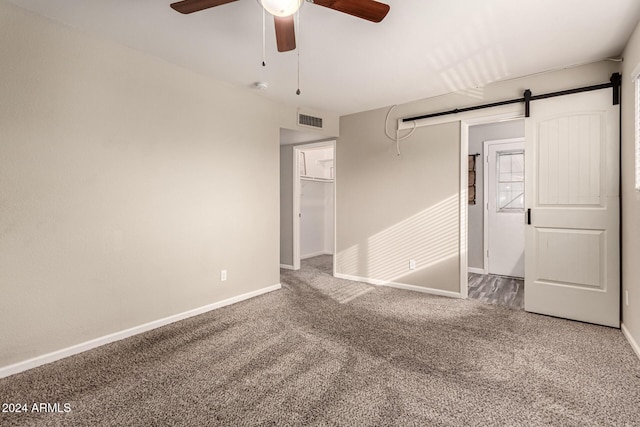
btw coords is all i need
(305, 120)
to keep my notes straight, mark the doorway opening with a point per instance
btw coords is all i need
(495, 213)
(313, 201)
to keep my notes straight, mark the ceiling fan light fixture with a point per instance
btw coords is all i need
(281, 8)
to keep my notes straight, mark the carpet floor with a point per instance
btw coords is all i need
(323, 351)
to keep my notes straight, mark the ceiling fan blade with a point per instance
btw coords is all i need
(285, 33)
(366, 9)
(190, 6)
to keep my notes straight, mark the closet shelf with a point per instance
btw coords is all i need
(313, 178)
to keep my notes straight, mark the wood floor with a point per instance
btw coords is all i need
(501, 290)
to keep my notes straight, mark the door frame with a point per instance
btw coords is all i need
(514, 113)
(296, 198)
(485, 217)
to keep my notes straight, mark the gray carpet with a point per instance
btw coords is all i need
(323, 351)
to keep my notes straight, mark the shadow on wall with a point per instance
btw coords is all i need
(428, 237)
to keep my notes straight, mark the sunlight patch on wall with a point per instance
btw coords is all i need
(429, 237)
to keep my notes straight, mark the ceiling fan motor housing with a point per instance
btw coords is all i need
(281, 8)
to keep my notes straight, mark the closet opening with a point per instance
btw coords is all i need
(313, 201)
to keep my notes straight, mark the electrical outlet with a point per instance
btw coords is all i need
(626, 297)
(223, 275)
(412, 264)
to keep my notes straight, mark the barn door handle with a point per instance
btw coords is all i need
(529, 216)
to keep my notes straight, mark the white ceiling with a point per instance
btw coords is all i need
(423, 48)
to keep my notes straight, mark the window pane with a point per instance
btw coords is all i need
(517, 163)
(504, 163)
(510, 192)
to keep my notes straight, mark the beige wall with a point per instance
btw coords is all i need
(391, 209)
(630, 197)
(286, 205)
(330, 123)
(126, 185)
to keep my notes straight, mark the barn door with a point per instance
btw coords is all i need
(572, 254)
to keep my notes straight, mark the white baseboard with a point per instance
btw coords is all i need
(117, 336)
(315, 254)
(359, 279)
(377, 282)
(475, 270)
(287, 267)
(634, 344)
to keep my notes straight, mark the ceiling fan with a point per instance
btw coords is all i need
(283, 11)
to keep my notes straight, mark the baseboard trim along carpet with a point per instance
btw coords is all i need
(117, 336)
(325, 351)
(287, 267)
(377, 282)
(632, 342)
(475, 270)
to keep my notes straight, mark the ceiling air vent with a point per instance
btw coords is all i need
(305, 120)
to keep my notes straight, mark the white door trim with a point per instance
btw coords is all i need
(485, 217)
(464, 208)
(475, 117)
(296, 198)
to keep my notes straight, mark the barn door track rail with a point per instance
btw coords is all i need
(614, 83)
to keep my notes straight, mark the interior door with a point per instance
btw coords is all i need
(505, 207)
(572, 254)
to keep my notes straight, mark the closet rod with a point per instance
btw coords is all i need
(614, 83)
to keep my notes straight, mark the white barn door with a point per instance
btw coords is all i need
(572, 267)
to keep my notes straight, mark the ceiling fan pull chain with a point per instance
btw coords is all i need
(299, 44)
(264, 43)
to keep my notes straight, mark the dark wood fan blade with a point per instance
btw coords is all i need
(285, 33)
(190, 6)
(366, 9)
